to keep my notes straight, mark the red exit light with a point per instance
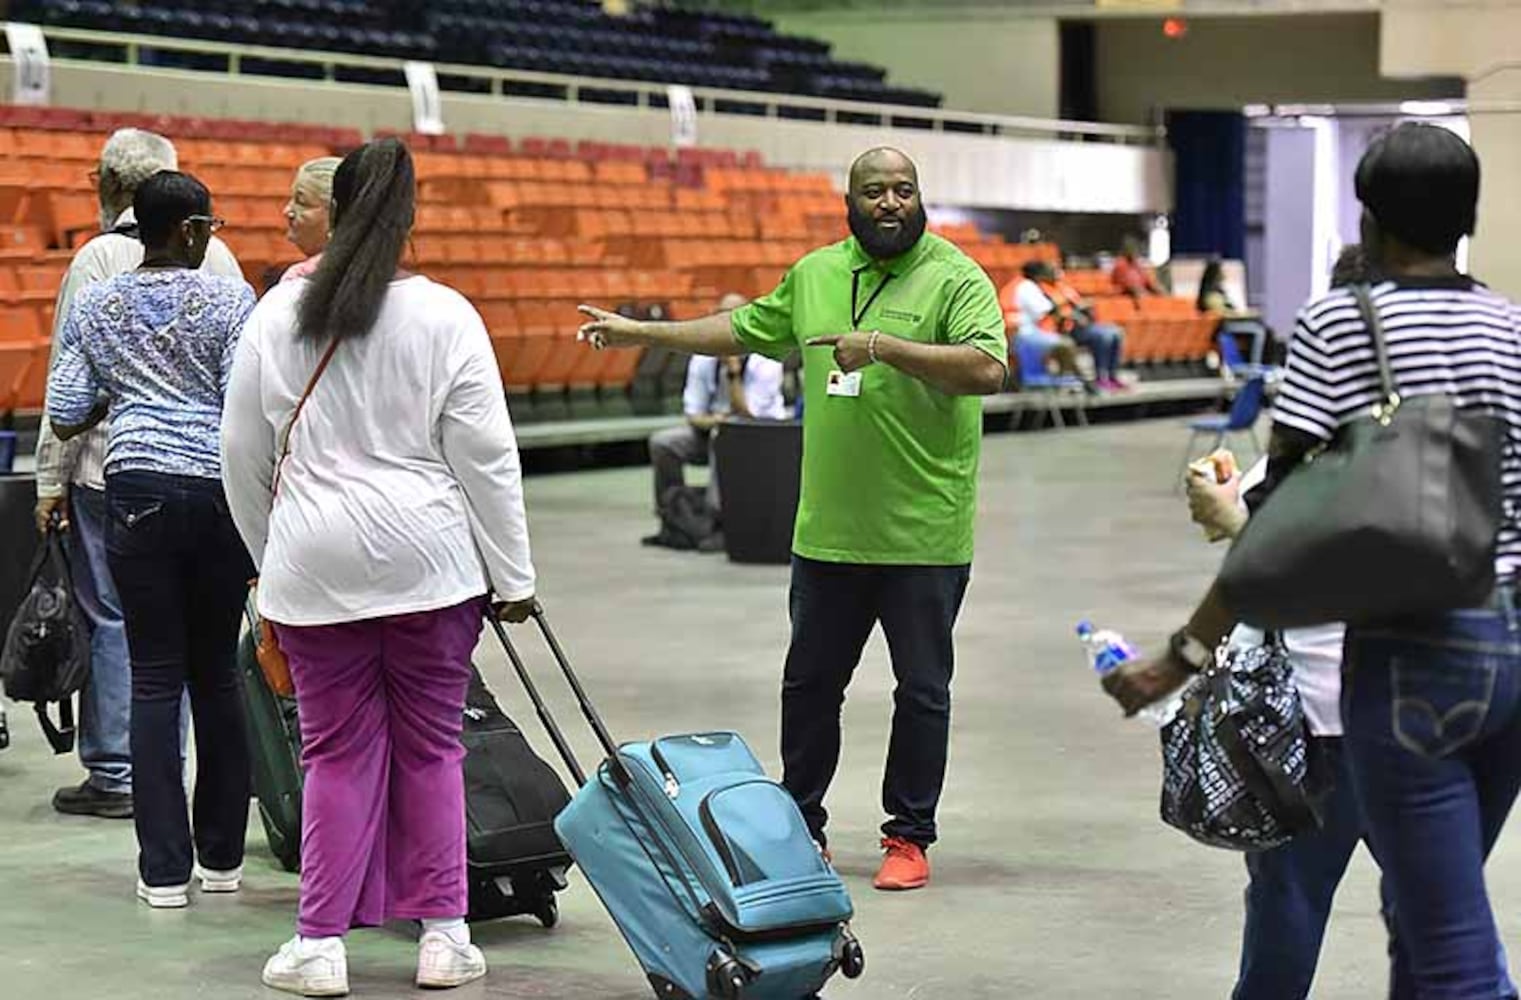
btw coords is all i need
(1175, 27)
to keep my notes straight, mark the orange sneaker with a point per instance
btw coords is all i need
(905, 867)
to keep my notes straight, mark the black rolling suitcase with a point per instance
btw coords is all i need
(512, 797)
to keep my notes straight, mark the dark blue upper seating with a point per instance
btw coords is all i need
(699, 48)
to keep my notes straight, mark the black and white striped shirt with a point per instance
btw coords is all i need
(1444, 335)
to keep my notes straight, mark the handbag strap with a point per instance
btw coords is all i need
(61, 736)
(1265, 778)
(1383, 412)
(327, 357)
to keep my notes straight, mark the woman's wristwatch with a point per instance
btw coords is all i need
(1187, 649)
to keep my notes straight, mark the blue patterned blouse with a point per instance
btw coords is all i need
(159, 346)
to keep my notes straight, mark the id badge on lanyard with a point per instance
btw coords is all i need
(840, 384)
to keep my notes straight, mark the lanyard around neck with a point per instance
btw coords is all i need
(855, 291)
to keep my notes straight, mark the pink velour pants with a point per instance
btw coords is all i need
(383, 817)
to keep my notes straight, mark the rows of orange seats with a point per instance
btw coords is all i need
(483, 284)
(526, 236)
(527, 168)
(1159, 329)
(1161, 339)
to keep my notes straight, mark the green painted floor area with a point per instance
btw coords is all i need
(1054, 878)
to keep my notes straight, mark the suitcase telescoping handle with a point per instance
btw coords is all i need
(587, 709)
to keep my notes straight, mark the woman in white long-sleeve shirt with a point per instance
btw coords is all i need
(371, 468)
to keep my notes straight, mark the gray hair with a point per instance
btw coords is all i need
(319, 174)
(132, 155)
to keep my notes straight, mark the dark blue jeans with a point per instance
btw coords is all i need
(182, 573)
(834, 608)
(1433, 716)
(1288, 899)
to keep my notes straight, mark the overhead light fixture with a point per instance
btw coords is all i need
(1426, 109)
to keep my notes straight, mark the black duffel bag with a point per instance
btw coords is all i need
(46, 657)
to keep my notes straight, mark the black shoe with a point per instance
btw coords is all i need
(662, 540)
(85, 799)
(713, 543)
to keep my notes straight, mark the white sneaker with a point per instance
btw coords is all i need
(309, 968)
(215, 881)
(441, 963)
(164, 897)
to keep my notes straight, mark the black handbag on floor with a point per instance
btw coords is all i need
(46, 657)
(1235, 759)
(1399, 515)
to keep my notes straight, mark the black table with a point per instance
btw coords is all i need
(759, 468)
(18, 542)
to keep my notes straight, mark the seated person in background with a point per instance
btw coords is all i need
(1212, 297)
(1031, 314)
(742, 386)
(1130, 276)
(1074, 316)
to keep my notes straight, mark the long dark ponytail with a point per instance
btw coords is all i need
(374, 197)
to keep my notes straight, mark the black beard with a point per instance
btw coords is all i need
(881, 245)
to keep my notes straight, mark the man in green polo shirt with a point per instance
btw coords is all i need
(900, 332)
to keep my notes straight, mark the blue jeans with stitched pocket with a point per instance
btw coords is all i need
(1433, 716)
(182, 573)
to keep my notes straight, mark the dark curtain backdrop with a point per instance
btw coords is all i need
(1209, 150)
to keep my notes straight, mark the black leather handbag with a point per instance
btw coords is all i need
(1397, 516)
(1235, 758)
(46, 655)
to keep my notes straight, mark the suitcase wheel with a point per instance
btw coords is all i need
(548, 911)
(853, 960)
(726, 977)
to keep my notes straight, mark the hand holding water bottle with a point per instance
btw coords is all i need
(1140, 686)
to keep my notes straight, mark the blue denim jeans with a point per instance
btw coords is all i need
(1105, 341)
(1288, 897)
(183, 574)
(105, 704)
(1433, 716)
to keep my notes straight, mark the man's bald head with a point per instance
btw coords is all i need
(878, 161)
(884, 211)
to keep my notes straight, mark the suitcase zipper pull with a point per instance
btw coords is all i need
(672, 786)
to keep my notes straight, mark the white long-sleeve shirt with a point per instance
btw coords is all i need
(707, 388)
(402, 491)
(82, 461)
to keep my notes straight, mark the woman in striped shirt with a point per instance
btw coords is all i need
(1432, 707)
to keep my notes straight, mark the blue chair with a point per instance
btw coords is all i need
(1048, 388)
(1230, 351)
(1246, 408)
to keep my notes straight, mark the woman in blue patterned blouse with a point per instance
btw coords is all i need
(153, 348)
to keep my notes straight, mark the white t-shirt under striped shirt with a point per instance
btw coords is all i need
(1444, 335)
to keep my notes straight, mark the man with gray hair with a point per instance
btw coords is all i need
(71, 485)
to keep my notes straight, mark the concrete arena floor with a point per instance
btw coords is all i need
(1054, 878)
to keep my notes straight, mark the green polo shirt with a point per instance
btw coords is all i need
(889, 476)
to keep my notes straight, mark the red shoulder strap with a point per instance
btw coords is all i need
(327, 357)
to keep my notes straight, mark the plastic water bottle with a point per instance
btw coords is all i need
(1107, 650)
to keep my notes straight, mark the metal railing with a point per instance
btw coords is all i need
(129, 49)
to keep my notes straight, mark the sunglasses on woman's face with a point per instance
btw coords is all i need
(213, 222)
